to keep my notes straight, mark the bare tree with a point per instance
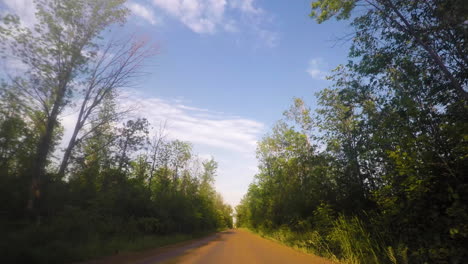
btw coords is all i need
(116, 67)
(156, 147)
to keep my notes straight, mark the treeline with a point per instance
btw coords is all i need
(118, 184)
(378, 173)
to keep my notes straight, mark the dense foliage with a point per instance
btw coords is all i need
(119, 181)
(378, 173)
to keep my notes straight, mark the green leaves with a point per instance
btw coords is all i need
(323, 10)
(111, 190)
(390, 131)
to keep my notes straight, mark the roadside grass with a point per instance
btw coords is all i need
(345, 241)
(35, 246)
(122, 244)
(297, 241)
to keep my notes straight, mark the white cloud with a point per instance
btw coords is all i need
(200, 126)
(144, 12)
(201, 16)
(211, 16)
(315, 69)
(246, 6)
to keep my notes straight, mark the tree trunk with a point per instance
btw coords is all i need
(40, 159)
(153, 164)
(72, 142)
(43, 148)
(67, 154)
(123, 156)
(408, 28)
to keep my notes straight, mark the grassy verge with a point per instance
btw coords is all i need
(122, 244)
(345, 241)
(29, 247)
(294, 240)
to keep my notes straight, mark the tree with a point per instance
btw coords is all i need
(209, 172)
(133, 136)
(94, 153)
(156, 145)
(115, 67)
(17, 138)
(391, 131)
(56, 51)
(180, 155)
(342, 120)
(115, 189)
(436, 28)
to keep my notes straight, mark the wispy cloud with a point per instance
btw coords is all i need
(270, 38)
(315, 69)
(246, 6)
(200, 126)
(201, 16)
(144, 12)
(212, 16)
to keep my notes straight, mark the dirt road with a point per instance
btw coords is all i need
(233, 246)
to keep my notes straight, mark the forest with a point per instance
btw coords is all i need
(377, 173)
(119, 184)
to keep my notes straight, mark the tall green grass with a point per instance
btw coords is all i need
(344, 240)
(354, 242)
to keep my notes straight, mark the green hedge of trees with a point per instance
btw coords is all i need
(118, 185)
(378, 173)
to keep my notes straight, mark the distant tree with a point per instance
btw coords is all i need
(209, 172)
(180, 155)
(133, 136)
(156, 151)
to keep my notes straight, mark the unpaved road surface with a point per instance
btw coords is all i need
(232, 246)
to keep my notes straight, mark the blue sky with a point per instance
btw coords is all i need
(226, 71)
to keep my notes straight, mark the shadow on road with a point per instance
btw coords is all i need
(184, 250)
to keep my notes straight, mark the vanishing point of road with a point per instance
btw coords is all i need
(229, 247)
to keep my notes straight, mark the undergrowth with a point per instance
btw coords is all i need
(346, 241)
